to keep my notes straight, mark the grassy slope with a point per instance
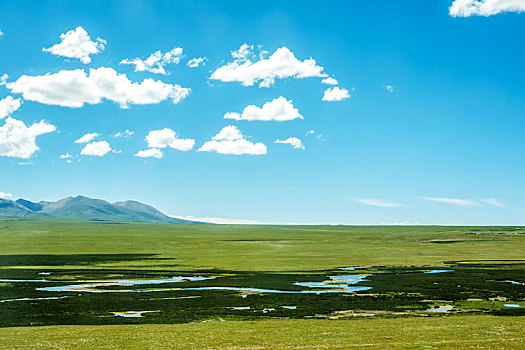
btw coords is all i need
(415, 333)
(269, 248)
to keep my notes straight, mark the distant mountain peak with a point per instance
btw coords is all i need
(85, 208)
(29, 205)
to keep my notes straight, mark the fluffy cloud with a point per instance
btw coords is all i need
(231, 141)
(467, 8)
(456, 201)
(77, 44)
(73, 88)
(4, 195)
(87, 138)
(99, 148)
(237, 147)
(1, 33)
(243, 52)
(167, 137)
(156, 61)
(152, 152)
(19, 141)
(389, 88)
(378, 202)
(281, 64)
(335, 94)
(294, 141)
(65, 156)
(195, 62)
(229, 133)
(3, 79)
(125, 134)
(8, 105)
(329, 81)
(280, 109)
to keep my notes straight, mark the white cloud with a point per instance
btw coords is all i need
(467, 8)
(3, 79)
(73, 88)
(125, 134)
(281, 64)
(493, 201)
(167, 137)
(156, 61)
(402, 223)
(77, 44)
(243, 52)
(98, 148)
(19, 141)
(378, 202)
(1, 33)
(28, 163)
(231, 141)
(87, 138)
(152, 152)
(8, 105)
(294, 141)
(4, 195)
(196, 62)
(318, 136)
(280, 109)
(335, 94)
(220, 221)
(456, 201)
(65, 156)
(182, 144)
(329, 81)
(237, 147)
(389, 88)
(229, 133)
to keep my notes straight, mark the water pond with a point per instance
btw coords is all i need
(438, 271)
(511, 305)
(335, 284)
(440, 309)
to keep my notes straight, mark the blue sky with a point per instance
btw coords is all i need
(425, 124)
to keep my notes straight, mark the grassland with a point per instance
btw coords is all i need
(391, 315)
(256, 248)
(468, 332)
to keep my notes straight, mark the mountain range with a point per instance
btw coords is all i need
(84, 208)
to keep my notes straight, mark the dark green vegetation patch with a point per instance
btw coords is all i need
(395, 292)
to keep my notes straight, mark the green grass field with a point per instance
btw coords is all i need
(467, 332)
(393, 313)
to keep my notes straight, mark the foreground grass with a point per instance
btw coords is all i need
(408, 333)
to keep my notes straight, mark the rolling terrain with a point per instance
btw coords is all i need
(84, 208)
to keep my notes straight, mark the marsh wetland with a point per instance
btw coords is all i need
(88, 296)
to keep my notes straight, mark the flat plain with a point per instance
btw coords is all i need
(73, 284)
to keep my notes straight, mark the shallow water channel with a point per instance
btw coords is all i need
(335, 284)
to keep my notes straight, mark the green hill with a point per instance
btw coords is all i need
(84, 208)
